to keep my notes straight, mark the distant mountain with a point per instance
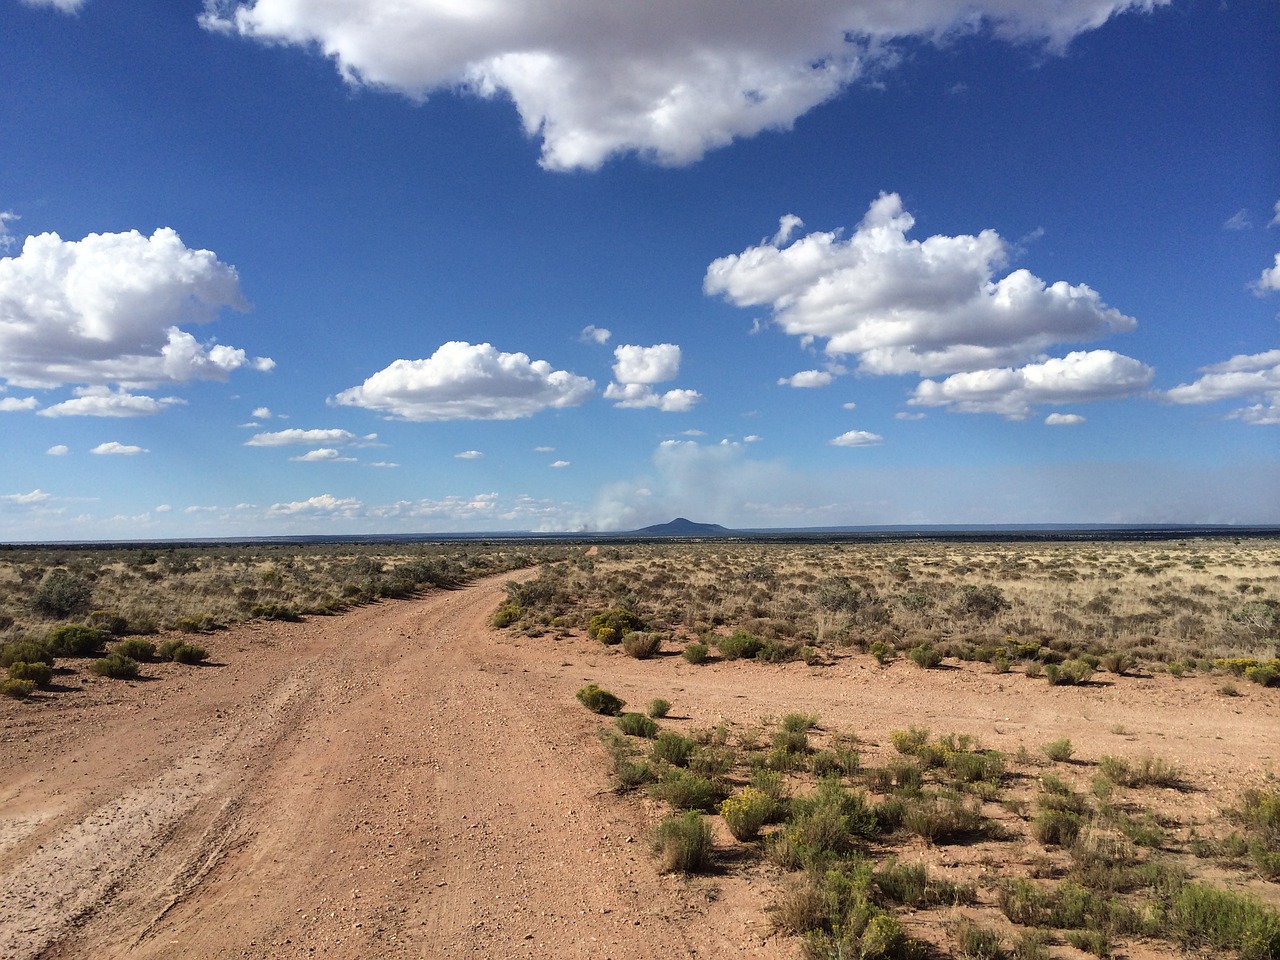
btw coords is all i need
(680, 527)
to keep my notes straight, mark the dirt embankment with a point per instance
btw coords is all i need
(403, 781)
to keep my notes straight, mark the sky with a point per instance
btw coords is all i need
(284, 267)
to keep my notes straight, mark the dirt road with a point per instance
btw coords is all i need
(396, 782)
(405, 781)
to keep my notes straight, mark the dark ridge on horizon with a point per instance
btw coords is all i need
(680, 527)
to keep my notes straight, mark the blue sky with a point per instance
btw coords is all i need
(450, 265)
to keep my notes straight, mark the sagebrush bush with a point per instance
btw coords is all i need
(688, 791)
(598, 700)
(746, 812)
(659, 708)
(75, 640)
(682, 843)
(61, 595)
(696, 652)
(17, 689)
(637, 725)
(189, 654)
(673, 748)
(26, 651)
(925, 656)
(611, 626)
(136, 648)
(38, 673)
(1059, 751)
(739, 645)
(506, 615)
(641, 646)
(115, 666)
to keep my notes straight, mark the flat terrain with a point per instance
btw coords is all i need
(406, 781)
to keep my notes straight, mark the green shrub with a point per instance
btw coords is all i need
(682, 843)
(38, 673)
(75, 640)
(1059, 751)
(1116, 662)
(696, 652)
(983, 602)
(268, 611)
(909, 741)
(925, 656)
(62, 595)
(1264, 675)
(599, 701)
(1056, 827)
(611, 626)
(109, 621)
(1090, 941)
(977, 943)
(882, 651)
(1068, 673)
(26, 651)
(115, 666)
(637, 725)
(136, 648)
(746, 812)
(641, 646)
(17, 689)
(938, 818)
(673, 748)
(189, 654)
(688, 791)
(739, 645)
(1204, 916)
(910, 883)
(1147, 772)
(506, 615)
(659, 708)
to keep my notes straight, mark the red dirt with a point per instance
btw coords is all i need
(406, 781)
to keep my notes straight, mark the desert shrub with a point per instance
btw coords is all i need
(610, 626)
(506, 615)
(599, 701)
(1263, 674)
(746, 812)
(696, 652)
(688, 791)
(38, 673)
(1022, 902)
(925, 656)
(26, 651)
(1115, 662)
(910, 883)
(659, 708)
(977, 943)
(136, 648)
(739, 645)
(983, 602)
(1146, 772)
(939, 818)
(1068, 673)
(1090, 941)
(637, 725)
(673, 748)
(682, 843)
(273, 611)
(1056, 827)
(109, 621)
(909, 741)
(642, 646)
(1031, 945)
(882, 651)
(62, 595)
(713, 761)
(75, 640)
(1059, 751)
(1205, 916)
(17, 689)
(189, 654)
(116, 666)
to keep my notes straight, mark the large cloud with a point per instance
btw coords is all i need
(1247, 376)
(929, 306)
(1078, 377)
(1270, 279)
(107, 309)
(104, 402)
(667, 78)
(463, 381)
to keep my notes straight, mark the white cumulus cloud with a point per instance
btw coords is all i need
(463, 381)
(105, 402)
(669, 79)
(469, 455)
(7, 239)
(323, 455)
(639, 396)
(656, 364)
(857, 438)
(66, 6)
(112, 448)
(593, 334)
(1063, 420)
(807, 379)
(1246, 376)
(58, 450)
(560, 464)
(108, 309)
(15, 404)
(35, 496)
(295, 436)
(928, 306)
(324, 505)
(1078, 377)
(1270, 279)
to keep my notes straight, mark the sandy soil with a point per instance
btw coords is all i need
(405, 781)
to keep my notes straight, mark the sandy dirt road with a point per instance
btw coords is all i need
(405, 781)
(396, 782)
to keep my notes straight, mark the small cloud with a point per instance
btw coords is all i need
(324, 505)
(385, 465)
(639, 396)
(544, 449)
(284, 438)
(469, 455)
(111, 448)
(323, 455)
(1238, 221)
(1063, 420)
(58, 450)
(958, 89)
(752, 438)
(656, 364)
(66, 6)
(694, 433)
(857, 438)
(104, 402)
(560, 464)
(35, 496)
(1275, 221)
(593, 334)
(7, 239)
(1270, 279)
(849, 406)
(261, 413)
(163, 508)
(807, 379)
(904, 415)
(787, 225)
(16, 404)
